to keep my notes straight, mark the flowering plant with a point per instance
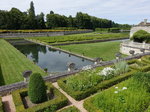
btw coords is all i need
(87, 67)
(107, 71)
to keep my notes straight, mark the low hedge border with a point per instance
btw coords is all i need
(69, 109)
(145, 59)
(79, 95)
(58, 102)
(1, 105)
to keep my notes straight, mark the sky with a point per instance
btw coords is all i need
(120, 11)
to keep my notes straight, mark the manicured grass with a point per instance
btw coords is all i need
(105, 50)
(81, 37)
(129, 96)
(13, 63)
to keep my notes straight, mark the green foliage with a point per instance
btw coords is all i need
(121, 68)
(135, 98)
(141, 36)
(79, 95)
(37, 89)
(83, 81)
(54, 104)
(69, 109)
(114, 30)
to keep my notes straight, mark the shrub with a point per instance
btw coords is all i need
(54, 104)
(37, 89)
(121, 67)
(114, 30)
(69, 109)
(83, 81)
(141, 36)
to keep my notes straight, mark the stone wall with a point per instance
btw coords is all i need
(9, 88)
(44, 34)
(136, 28)
(126, 46)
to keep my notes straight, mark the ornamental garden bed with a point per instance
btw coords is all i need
(55, 101)
(87, 83)
(132, 95)
(69, 109)
(139, 65)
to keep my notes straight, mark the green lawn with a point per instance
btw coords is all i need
(13, 63)
(81, 37)
(132, 95)
(105, 50)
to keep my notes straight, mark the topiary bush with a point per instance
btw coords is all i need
(37, 89)
(141, 36)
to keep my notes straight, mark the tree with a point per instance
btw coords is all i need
(37, 89)
(31, 17)
(40, 21)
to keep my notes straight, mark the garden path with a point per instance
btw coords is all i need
(78, 104)
(9, 105)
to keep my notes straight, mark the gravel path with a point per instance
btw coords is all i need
(78, 104)
(9, 105)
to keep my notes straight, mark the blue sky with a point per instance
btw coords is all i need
(121, 11)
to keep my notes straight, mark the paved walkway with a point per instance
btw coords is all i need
(78, 104)
(9, 105)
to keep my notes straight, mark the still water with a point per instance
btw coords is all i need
(53, 60)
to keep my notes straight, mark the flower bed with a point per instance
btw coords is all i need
(132, 95)
(86, 83)
(58, 102)
(69, 109)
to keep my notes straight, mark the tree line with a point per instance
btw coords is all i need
(15, 19)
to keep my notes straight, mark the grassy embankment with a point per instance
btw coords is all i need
(13, 63)
(105, 50)
(80, 37)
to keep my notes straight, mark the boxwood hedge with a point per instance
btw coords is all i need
(58, 102)
(79, 95)
(69, 109)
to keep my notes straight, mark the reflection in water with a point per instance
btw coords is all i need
(53, 60)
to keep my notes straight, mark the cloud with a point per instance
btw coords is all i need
(122, 11)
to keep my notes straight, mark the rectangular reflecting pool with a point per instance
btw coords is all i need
(51, 59)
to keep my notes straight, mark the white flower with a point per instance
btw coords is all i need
(116, 87)
(124, 88)
(106, 71)
(87, 67)
(116, 92)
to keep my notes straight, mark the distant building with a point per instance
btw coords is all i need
(144, 25)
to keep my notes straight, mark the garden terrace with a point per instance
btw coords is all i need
(131, 95)
(105, 50)
(80, 37)
(13, 64)
(79, 89)
(56, 101)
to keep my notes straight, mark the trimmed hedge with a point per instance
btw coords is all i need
(146, 59)
(69, 109)
(1, 105)
(79, 95)
(58, 102)
(141, 36)
(37, 89)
